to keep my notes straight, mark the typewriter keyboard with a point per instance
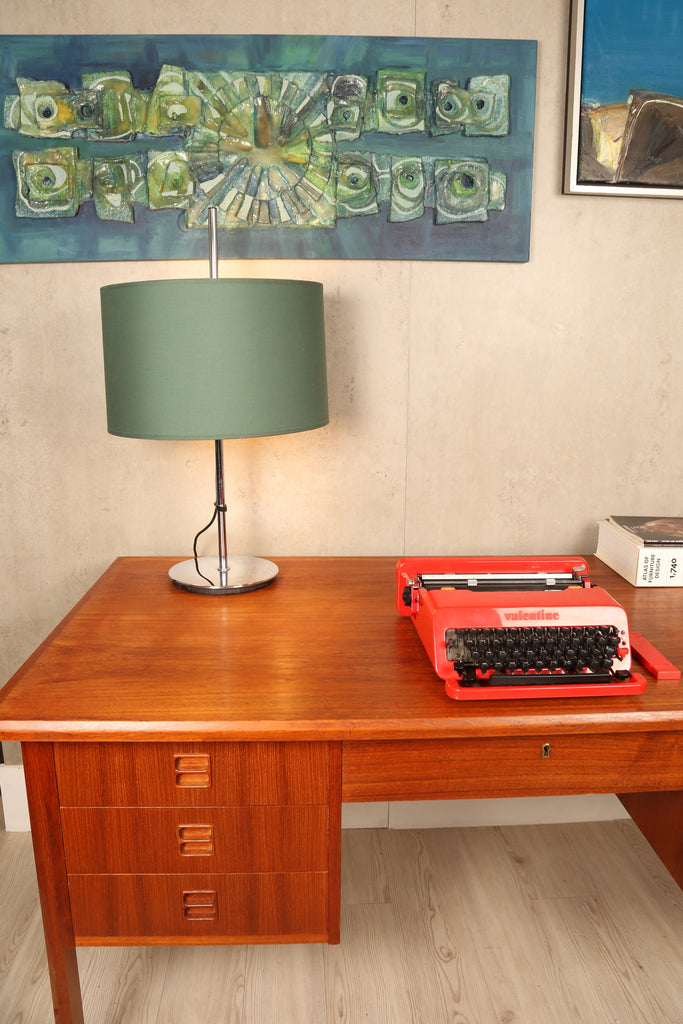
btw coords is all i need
(498, 656)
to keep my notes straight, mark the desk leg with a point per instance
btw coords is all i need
(659, 816)
(334, 845)
(48, 847)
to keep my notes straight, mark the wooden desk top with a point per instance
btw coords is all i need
(319, 654)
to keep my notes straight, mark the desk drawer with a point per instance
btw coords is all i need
(191, 774)
(175, 840)
(511, 766)
(198, 908)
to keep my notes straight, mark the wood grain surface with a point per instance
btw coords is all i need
(319, 653)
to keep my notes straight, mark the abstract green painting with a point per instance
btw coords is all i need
(115, 147)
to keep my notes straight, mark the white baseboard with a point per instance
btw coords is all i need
(368, 815)
(537, 810)
(14, 804)
(533, 810)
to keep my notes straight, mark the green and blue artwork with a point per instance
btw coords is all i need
(335, 147)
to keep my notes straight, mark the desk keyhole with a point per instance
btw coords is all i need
(545, 750)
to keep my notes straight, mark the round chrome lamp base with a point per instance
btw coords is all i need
(203, 576)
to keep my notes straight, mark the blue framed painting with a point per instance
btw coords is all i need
(328, 147)
(625, 98)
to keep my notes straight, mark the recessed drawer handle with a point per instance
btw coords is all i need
(195, 840)
(200, 906)
(192, 771)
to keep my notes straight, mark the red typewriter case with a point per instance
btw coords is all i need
(502, 628)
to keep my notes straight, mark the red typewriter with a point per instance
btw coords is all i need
(517, 627)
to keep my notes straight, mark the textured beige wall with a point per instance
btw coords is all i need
(474, 407)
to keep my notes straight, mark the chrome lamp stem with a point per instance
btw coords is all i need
(243, 572)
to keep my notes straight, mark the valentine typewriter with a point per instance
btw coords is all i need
(517, 627)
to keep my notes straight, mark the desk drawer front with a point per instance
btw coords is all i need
(173, 840)
(511, 766)
(130, 909)
(191, 774)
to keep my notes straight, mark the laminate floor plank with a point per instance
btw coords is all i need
(204, 984)
(120, 984)
(546, 862)
(617, 856)
(600, 967)
(443, 969)
(569, 924)
(585, 887)
(366, 972)
(517, 962)
(364, 866)
(285, 983)
(651, 921)
(24, 982)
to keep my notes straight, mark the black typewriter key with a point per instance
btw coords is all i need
(529, 654)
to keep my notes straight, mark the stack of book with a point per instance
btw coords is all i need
(646, 550)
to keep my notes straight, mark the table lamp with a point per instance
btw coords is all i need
(215, 359)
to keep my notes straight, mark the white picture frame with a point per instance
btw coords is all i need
(583, 173)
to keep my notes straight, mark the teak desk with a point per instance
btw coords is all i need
(187, 757)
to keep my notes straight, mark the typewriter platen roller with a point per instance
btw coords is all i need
(517, 627)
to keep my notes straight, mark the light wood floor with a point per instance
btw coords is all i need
(517, 925)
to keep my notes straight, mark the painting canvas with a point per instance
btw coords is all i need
(115, 147)
(625, 98)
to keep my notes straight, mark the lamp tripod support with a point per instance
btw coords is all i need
(241, 572)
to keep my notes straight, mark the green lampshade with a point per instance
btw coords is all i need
(214, 358)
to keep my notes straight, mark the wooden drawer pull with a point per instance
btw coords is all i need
(200, 906)
(195, 840)
(192, 771)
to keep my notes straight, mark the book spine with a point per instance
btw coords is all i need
(660, 567)
(642, 566)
